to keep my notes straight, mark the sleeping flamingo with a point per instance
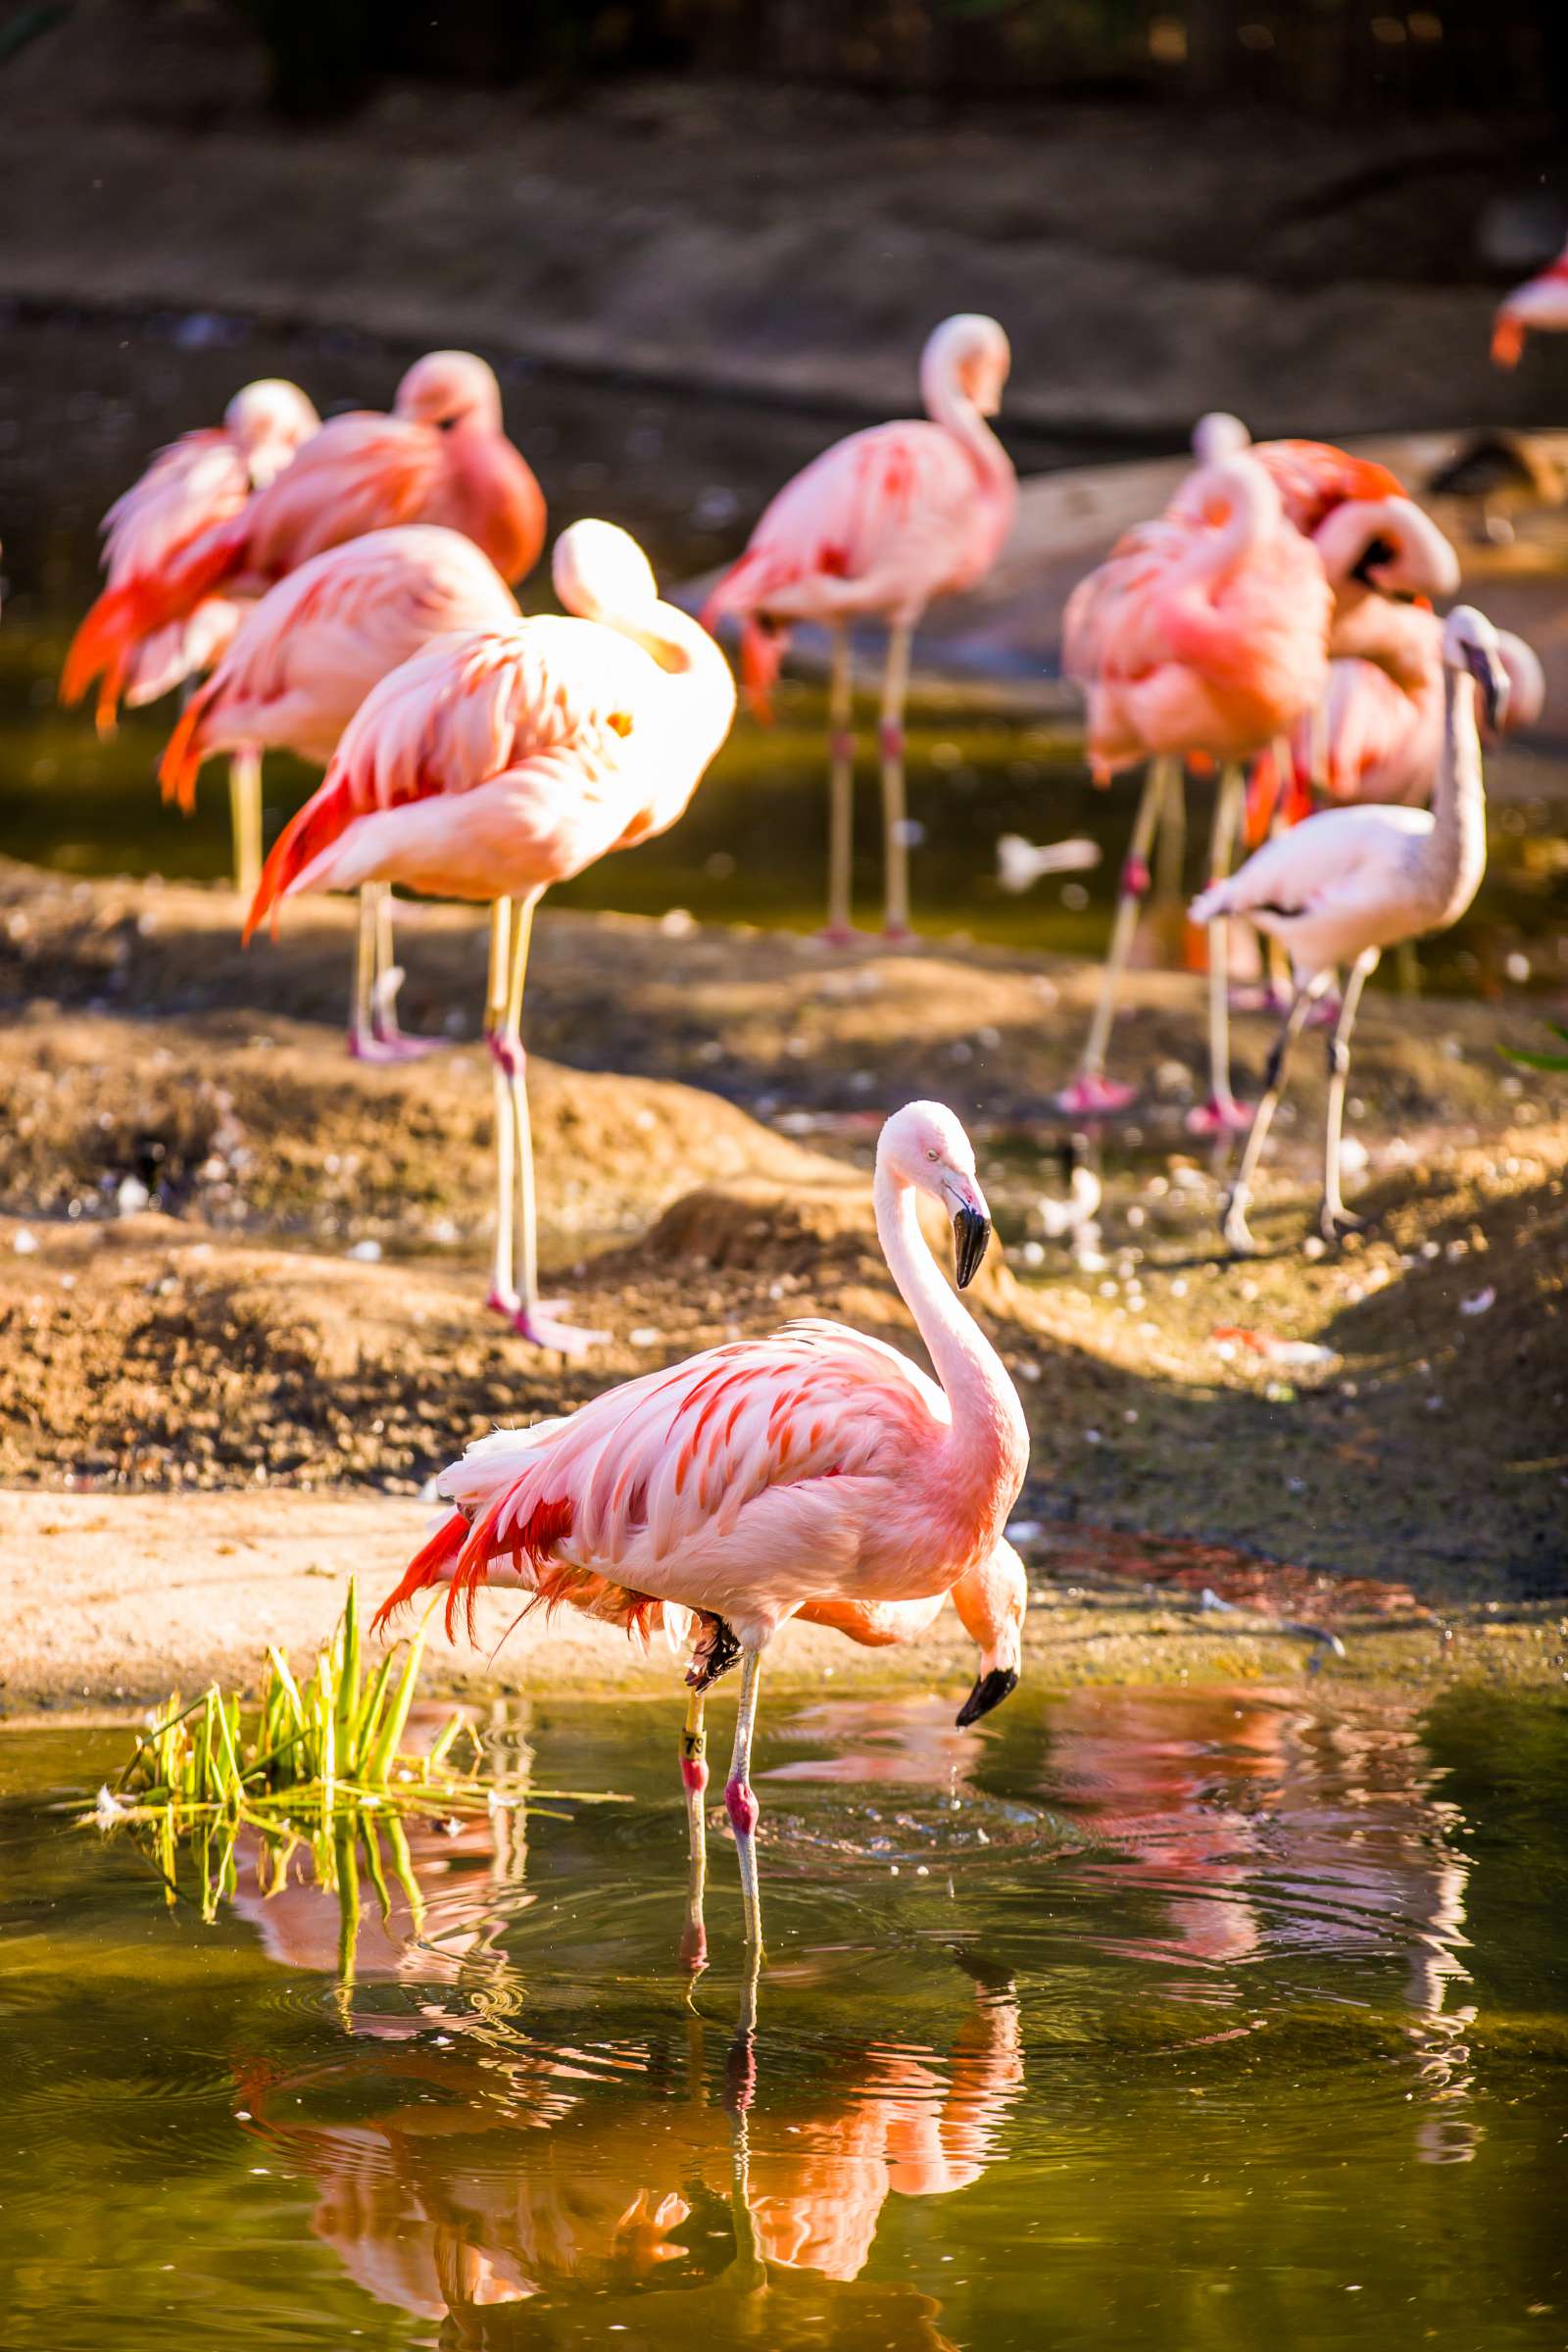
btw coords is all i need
(499, 762)
(302, 664)
(1542, 302)
(877, 526)
(441, 457)
(813, 1466)
(1346, 883)
(200, 481)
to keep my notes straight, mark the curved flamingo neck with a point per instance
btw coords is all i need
(949, 405)
(1254, 510)
(988, 1441)
(1457, 847)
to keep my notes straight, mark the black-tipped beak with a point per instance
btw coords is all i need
(990, 1690)
(1377, 551)
(1493, 680)
(971, 1237)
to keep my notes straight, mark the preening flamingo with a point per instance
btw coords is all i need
(441, 457)
(497, 763)
(876, 528)
(813, 1466)
(1346, 883)
(1381, 734)
(1542, 302)
(198, 483)
(304, 661)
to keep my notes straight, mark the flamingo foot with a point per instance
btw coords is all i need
(839, 934)
(1334, 1223)
(1261, 997)
(899, 935)
(1233, 1226)
(377, 1045)
(542, 1326)
(1221, 1114)
(1091, 1095)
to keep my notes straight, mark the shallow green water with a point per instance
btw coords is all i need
(1169, 2019)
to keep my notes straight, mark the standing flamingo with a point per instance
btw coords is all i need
(1381, 735)
(1542, 302)
(877, 526)
(815, 1465)
(1346, 883)
(200, 481)
(440, 456)
(499, 762)
(302, 664)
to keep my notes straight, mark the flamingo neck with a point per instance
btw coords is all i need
(988, 1441)
(1457, 847)
(949, 405)
(1252, 508)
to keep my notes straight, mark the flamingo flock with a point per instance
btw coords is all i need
(344, 591)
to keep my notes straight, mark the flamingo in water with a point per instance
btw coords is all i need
(440, 456)
(1346, 883)
(497, 763)
(876, 528)
(762, 1479)
(302, 664)
(1540, 302)
(194, 485)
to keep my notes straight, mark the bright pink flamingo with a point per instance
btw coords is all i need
(1542, 302)
(302, 664)
(441, 457)
(813, 1466)
(198, 483)
(876, 528)
(497, 763)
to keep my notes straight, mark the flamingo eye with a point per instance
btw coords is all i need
(933, 1156)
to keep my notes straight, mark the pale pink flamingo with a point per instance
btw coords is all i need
(1342, 886)
(876, 528)
(1542, 302)
(200, 481)
(303, 662)
(440, 456)
(499, 762)
(813, 1466)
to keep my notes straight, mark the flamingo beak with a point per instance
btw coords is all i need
(1491, 679)
(972, 1230)
(990, 1690)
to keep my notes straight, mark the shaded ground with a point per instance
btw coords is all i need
(235, 1328)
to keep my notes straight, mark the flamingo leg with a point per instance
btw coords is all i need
(693, 1780)
(841, 789)
(1221, 1114)
(1335, 1221)
(1172, 837)
(503, 1288)
(516, 1286)
(1091, 1091)
(245, 820)
(1280, 982)
(1233, 1218)
(361, 1041)
(373, 1032)
(895, 819)
(740, 1803)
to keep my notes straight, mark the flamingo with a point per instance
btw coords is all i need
(877, 526)
(813, 1466)
(1382, 733)
(440, 456)
(1346, 883)
(302, 664)
(1376, 547)
(1542, 302)
(196, 483)
(499, 762)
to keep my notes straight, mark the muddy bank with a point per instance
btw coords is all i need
(785, 245)
(229, 1258)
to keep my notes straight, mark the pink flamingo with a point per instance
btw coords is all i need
(441, 457)
(877, 526)
(196, 485)
(1542, 302)
(302, 664)
(813, 1466)
(1381, 736)
(499, 762)
(1345, 884)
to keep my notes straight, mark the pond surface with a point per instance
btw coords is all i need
(83, 404)
(1167, 2019)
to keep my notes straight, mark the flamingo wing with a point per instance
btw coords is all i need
(361, 473)
(196, 483)
(1339, 857)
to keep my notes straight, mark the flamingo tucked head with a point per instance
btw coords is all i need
(270, 419)
(924, 1146)
(968, 354)
(1388, 544)
(450, 389)
(1470, 645)
(1527, 680)
(1219, 435)
(601, 573)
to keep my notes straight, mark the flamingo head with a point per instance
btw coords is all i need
(1527, 680)
(270, 419)
(601, 573)
(991, 1601)
(969, 354)
(1470, 643)
(924, 1146)
(449, 389)
(1219, 435)
(1388, 544)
